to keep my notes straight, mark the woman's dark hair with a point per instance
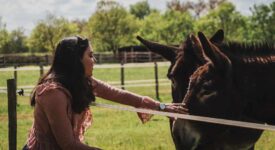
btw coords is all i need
(68, 70)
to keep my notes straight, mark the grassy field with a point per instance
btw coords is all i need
(112, 129)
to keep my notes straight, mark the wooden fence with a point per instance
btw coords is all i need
(122, 82)
(12, 98)
(126, 57)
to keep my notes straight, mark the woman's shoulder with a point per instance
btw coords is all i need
(51, 88)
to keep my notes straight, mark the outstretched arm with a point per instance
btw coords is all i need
(109, 92)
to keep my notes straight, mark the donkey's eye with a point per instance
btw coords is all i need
(208, 85)
(170, 76)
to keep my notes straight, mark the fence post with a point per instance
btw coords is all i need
(125, 57)
(11, 85)
(156, 80)
(4, 61)
(15, 76)
(132, 55)
(41, 70)
(122, 74)
(99, 58)
(150, 56)
(47, 59)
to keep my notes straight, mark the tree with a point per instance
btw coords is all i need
(18, 41)
(49, 31)
(178, 6)
(262, 22)
(80, 24)
(152, 26)
(227, 18)
(176, 27)
(111, 27)
(169, 28)
(4, 36)
(198, 7)
(13, 42)
(188, 6)
(212, 4)
(140, 9)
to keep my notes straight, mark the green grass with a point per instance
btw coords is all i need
(112, 129)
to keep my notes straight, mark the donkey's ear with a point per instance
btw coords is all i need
(218, 37)
(198, 49)
(213, 53)
(168, 52)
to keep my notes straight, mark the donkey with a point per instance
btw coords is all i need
(231, 103)
(184, 61)
(235, 82)
(238, 84)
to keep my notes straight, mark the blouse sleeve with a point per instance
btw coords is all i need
(109, 92)
(54, 103)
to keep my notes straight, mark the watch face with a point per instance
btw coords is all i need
(162, 106)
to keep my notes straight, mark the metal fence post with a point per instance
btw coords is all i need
(150, 57)
(11, 85)
(125, 57)
(99, 58)
(15, 76)
(41, 70)
(47, 59)
(122, 74)
(156, 80)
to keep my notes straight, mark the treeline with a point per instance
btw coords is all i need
(112, 26)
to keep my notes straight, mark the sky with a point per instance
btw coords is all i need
(26, 13)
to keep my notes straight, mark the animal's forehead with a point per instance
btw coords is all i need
(201, 71)
(185, 45)
(180, 56)
(178, 61)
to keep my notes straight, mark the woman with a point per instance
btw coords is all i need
(62, 97)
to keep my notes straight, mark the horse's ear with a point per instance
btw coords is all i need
(198, 49)
(218, 58)
(218, 37)
(168, 52)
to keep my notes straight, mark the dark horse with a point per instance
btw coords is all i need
(232, 81)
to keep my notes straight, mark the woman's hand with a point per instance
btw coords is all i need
(176, 108)
(150, 103)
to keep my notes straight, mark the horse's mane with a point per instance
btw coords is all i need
(257, 48)
(255, 52)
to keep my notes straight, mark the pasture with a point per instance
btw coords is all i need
(112, 129)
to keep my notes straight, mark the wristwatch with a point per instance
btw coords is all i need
(162, 106)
